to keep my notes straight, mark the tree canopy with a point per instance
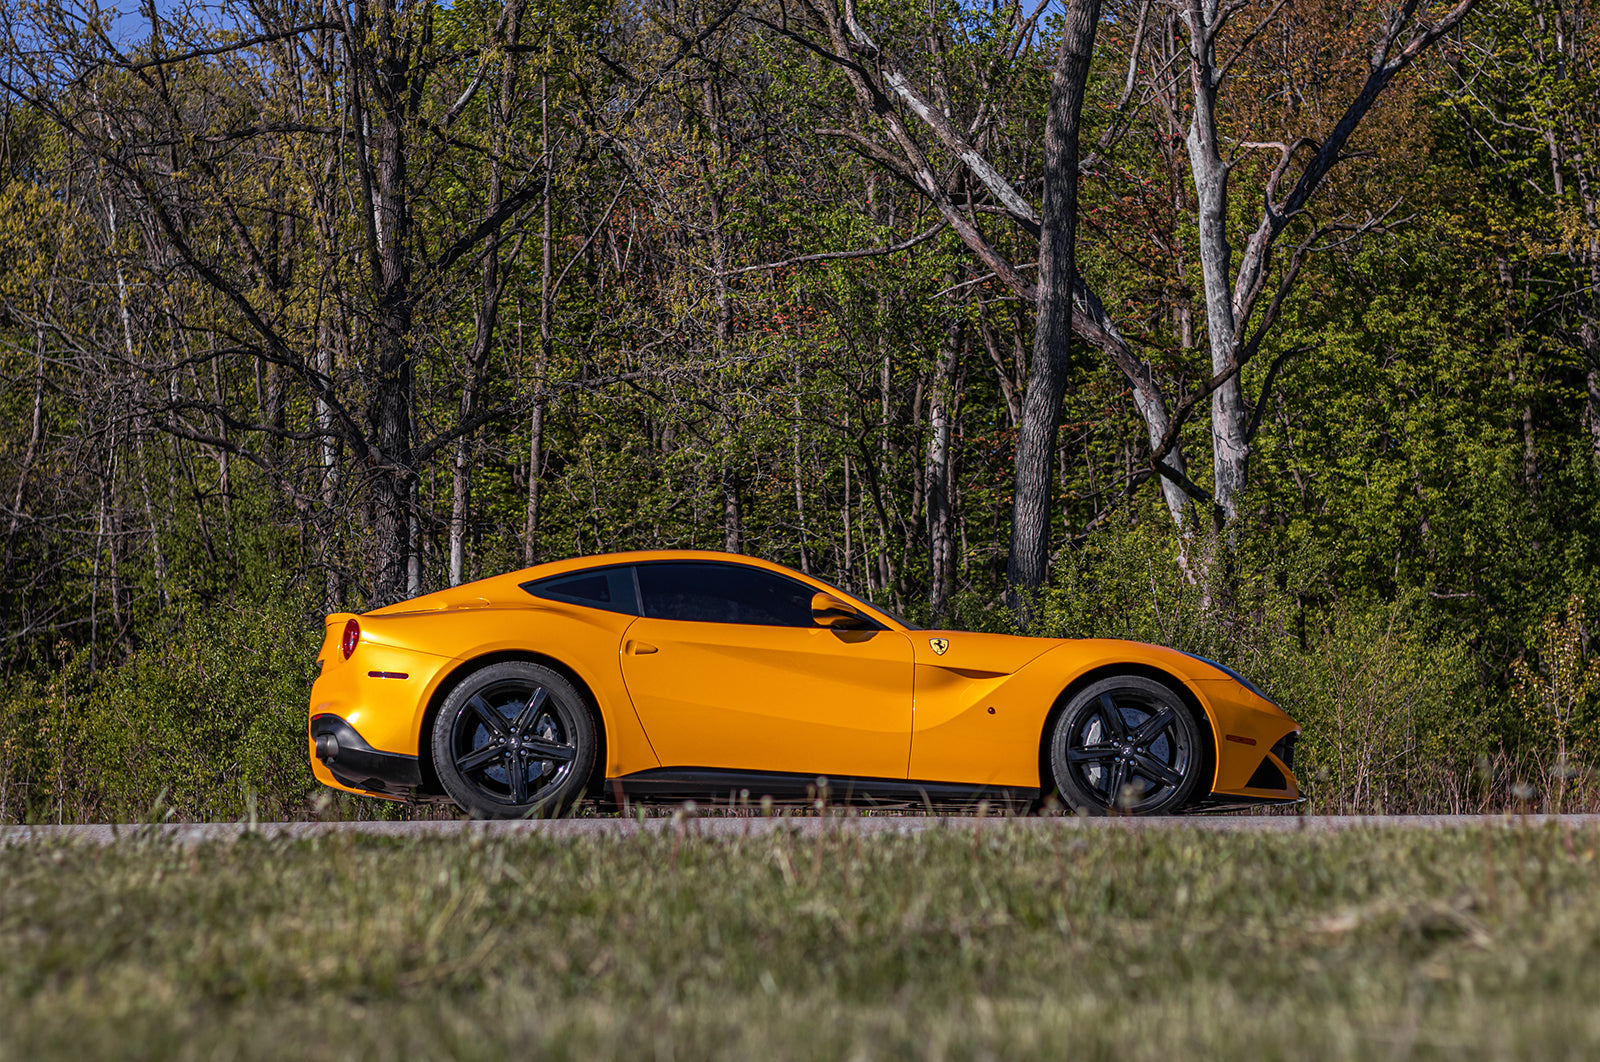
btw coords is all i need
(360, 298)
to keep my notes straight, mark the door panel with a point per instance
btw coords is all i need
(766, 698)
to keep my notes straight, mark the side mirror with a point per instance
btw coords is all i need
(829, 611)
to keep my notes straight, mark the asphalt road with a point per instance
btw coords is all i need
(725, 826)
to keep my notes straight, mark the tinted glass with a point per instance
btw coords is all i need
(723, 593)
(607, 588)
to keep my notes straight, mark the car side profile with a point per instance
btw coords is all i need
(670, 675)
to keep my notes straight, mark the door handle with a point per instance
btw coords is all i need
(641, 649)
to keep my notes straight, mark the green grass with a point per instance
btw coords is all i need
(1000, 943)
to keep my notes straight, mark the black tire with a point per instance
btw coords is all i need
(1126, 745)
(514, 741)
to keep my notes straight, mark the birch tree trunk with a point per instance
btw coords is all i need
(1084, 314)
(1230, 449)
(936, 473)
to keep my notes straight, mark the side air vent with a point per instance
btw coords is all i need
(1267, 776)
(1284, 750)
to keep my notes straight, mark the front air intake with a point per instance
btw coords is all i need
(1268, 776)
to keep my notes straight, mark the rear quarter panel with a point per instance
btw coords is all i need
(431, 647)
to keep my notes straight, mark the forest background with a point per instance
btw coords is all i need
(1267, 329)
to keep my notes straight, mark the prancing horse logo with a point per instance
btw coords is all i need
(939, 645)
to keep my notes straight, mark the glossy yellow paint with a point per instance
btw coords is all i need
(881, 703)
(433, 643)
(956, 736)
(829, 611)
(742, 697)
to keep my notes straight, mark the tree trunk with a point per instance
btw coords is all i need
(396, 87)
(390, 417)
(460, 497)
(799, 472)
(329, 458)
(941, 525)
(1592, 379)
(541, 363)
(1229, 447)
(1009, 388)
(1028, 566)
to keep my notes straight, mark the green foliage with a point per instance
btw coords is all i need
(1556, 687)
(206, 719)
(1395, 719)
(1403, 457)
(210, 709)
(1423, 480)
(39, 753)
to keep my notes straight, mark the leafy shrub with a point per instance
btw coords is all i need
(38, 744)
(205, 720)
(1555, 686)
(1394, 718)
(210, 711)
(207, 717)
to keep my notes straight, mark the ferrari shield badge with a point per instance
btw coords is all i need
(939, 644)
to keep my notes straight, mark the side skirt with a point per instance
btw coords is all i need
(746, 787)
(1218, 803)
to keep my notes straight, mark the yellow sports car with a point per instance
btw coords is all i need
(671, 675)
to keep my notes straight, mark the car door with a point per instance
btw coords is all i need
(727, 670)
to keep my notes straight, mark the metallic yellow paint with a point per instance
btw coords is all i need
(880, 703)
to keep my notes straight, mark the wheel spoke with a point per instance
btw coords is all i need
(1154, 726)
(1155, 770)
(517, 774)
(1091, 754)
(530, 712)
(491, 718)
(478, 757)
(1119, 777)
(549, 750)
(1111, 716)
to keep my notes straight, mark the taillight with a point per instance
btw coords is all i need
(352, 637)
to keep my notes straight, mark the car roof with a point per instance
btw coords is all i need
(507, 588)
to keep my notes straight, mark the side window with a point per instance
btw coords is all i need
(723, 593)
(607, 588)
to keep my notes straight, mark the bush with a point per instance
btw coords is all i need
(208, 715)
(1393, 716)
(205, 720)
(1555, 687)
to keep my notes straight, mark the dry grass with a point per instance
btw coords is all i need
(948, 944)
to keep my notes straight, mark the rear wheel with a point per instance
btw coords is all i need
(1126, 745)
(514, 740)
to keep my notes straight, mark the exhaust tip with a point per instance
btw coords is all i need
(327, 748)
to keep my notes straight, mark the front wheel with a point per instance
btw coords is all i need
(512, 741)
(1126, 745)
